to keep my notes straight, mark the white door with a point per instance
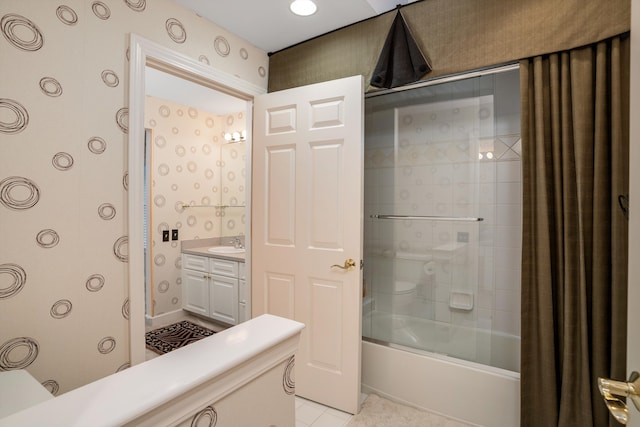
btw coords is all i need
(307, 216)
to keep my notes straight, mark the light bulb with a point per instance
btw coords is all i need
(303, 7)
(236, 136)
(227, 136)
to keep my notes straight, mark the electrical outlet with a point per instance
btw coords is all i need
(463, 237)
(165, 235)
(174, 234)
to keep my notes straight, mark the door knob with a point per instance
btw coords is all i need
(612, 390)
(349, 264)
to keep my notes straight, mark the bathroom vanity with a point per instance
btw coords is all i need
(214, 284)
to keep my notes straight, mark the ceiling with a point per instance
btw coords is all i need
(175, 89)
(271, 26)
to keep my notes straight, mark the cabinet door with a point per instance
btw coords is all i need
(223, 299)
(195, 291)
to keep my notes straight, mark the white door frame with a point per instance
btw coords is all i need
(144, 52)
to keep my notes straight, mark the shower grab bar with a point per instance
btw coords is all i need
(429, 217)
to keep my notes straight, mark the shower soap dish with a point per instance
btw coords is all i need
(461, 300)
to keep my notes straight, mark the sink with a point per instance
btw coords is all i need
(225, 250)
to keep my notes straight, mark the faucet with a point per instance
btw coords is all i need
(237, 243)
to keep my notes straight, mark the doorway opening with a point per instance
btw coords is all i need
(147, 58)
(196, 186)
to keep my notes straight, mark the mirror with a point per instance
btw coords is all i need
(233, 184)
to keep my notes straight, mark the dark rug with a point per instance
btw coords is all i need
(169, 338)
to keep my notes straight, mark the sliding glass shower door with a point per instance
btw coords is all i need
(442, 215)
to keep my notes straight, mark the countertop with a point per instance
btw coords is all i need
(202, 251)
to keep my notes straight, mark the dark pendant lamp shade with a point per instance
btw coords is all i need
(401, 61)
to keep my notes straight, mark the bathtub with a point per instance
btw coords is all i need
(455, 378)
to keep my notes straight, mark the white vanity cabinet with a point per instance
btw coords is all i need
(211, 287)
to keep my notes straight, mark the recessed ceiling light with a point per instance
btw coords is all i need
(303, 7)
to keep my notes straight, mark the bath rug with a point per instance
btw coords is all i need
(379, 412)
(169, 338)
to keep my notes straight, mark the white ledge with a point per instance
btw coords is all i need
(140, 390)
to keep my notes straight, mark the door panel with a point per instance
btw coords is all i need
(280, 120)
(279, 294)
(280, 187)
(307, 217)
(327, 113)
(325, 334)
(325, 225)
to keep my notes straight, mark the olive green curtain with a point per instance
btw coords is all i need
(575, 112)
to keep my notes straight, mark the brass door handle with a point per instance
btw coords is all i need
(611, 390)
(349, 264)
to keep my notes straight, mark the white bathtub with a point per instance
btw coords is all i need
(470, 391)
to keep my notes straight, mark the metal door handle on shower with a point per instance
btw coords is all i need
(349, 264)
(428, 217)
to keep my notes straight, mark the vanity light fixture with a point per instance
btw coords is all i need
(303, 7)
(235, 136)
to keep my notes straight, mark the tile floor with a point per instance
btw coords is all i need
(312, 414)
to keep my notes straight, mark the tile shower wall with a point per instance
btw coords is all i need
(63, 174)
(433, 167)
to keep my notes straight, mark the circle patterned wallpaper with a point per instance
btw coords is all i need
(64, 124)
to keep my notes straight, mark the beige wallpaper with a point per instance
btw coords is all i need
(63, 181)
(191, 165)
